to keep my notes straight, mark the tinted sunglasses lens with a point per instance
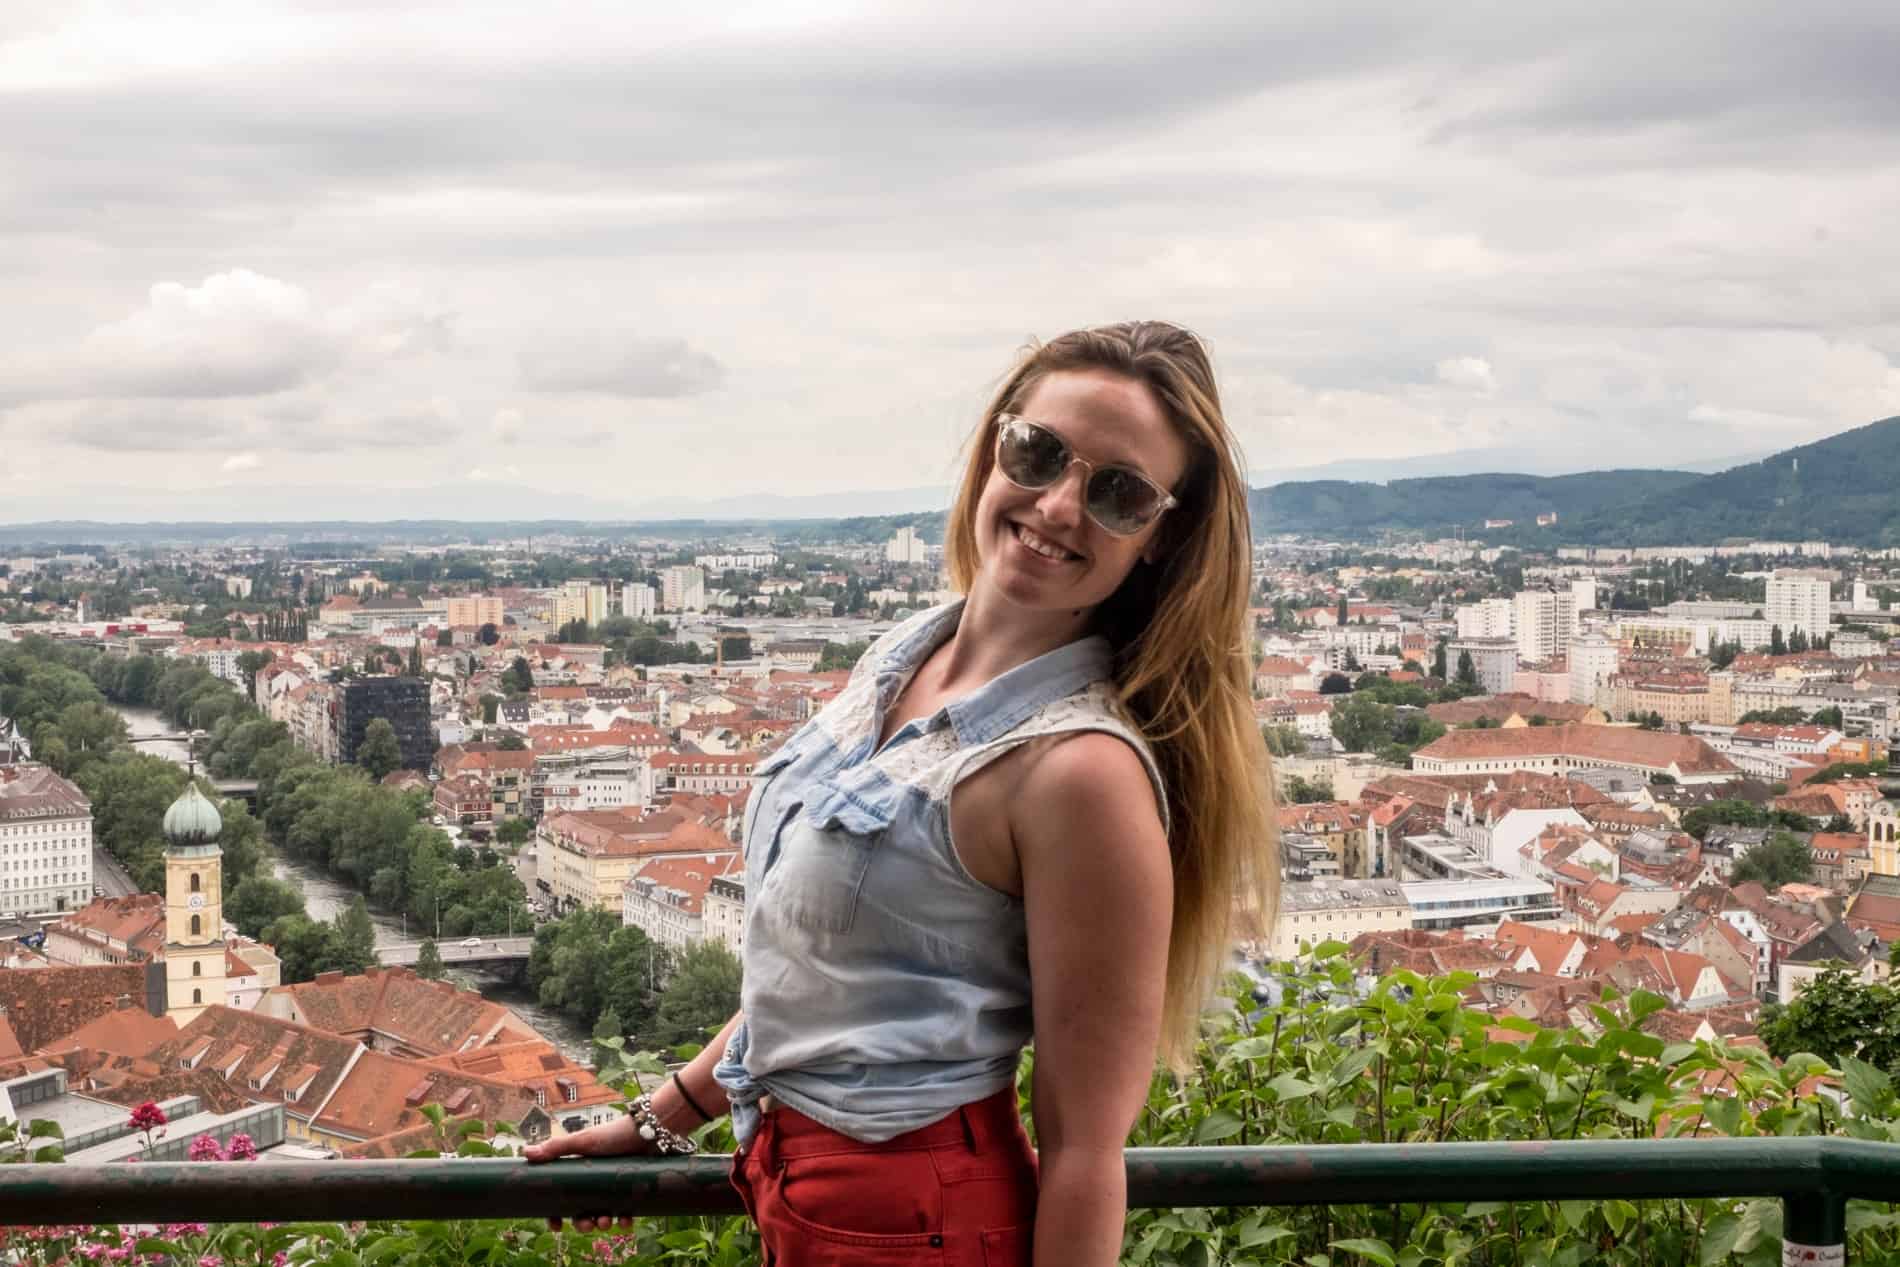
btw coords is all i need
(1031, 456)
(1122, 501)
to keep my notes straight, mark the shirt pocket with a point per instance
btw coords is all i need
(825, 850)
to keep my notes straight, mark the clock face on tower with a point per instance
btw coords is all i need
(195, 901)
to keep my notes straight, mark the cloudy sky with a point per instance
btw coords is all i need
(375, 258)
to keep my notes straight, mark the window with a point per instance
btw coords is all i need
(197, 969)
(194, 882)
(197, 996)
(197, 926)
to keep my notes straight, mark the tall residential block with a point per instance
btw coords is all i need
(1488, 618)
(1593, 662)
(638, 601)
(683, 589)
(1545, 622)
(1798, 600)
(1494, 660)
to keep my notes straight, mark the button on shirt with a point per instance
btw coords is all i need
(884, 985)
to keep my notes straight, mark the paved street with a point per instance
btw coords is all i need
(109, 875)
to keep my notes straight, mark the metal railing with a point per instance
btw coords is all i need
(1813, 1177)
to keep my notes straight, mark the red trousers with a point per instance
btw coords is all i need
(960, 1192)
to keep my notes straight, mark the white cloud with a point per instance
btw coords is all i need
(240, 462)
(506, 425)
(620, 366)
(1470, 372)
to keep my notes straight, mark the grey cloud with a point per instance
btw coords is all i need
(635, 367)
(160, 426)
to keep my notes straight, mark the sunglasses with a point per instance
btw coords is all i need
(1121, 500)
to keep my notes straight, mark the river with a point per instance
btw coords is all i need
(324, 898)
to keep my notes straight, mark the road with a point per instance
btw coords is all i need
(109, 875)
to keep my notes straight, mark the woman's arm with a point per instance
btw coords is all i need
(620, 1136)
(1099, 895)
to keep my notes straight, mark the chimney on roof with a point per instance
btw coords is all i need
(123, 1002)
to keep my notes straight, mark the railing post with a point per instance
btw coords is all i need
(1813, 1229)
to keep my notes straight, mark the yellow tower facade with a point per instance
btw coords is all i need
(1883, 838)
(194, 908)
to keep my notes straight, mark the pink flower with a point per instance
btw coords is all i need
(204, 1148)
(242, 1148)
(603, 1250)
(279, 1259)
(210, 1260)
(148, 1116)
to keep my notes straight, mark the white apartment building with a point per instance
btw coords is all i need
(722, 915)
(1593, 661)
(581, 600)
(905, 546)
(599, 787)
(45, 841)
(638, 601)
(1798, 600)
(665, 899)
(1328, 909)
(683, 589)
(1494, 659)
(1544, 624)
(1488, 618)
(1583, 593)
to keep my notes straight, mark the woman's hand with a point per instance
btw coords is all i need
(617, 1138)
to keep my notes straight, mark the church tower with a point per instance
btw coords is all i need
(194, 907)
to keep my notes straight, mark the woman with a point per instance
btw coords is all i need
(1030, 814)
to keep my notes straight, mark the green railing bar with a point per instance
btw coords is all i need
(1816, 1176)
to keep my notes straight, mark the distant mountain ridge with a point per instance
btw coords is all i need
(1845, 489)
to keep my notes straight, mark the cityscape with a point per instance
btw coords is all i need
(447, 453)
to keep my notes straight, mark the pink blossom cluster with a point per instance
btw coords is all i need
(205, 1148)
(614, 1249)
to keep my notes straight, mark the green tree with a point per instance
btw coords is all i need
(735, 647)
(1467, 670)
(1344, 609)
(1335, 684)
(1837, 1015)
(1438, 660)
(490, 703)
(608, 1027)
(511, 742)
(429, 965)
(1829, 717)
(379, 753)
(445, 637)
(260, 901)
(840, 655)
(1300, 791)
(514, 831)
(415, 658)
(356, 937)
(700, 996)
(518, 678)
(1783, 858)
(1777, 645)
(1283, 741)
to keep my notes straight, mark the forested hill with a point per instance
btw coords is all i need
(1844, 489)
(1444, 504)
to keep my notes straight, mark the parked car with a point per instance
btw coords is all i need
(471, 941)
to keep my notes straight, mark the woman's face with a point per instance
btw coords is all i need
(1038, 548)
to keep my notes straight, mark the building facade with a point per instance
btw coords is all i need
(403, 702)
(45, 841)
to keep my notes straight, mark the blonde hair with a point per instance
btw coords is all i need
(1182, 646)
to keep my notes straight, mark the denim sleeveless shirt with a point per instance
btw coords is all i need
(884, 985)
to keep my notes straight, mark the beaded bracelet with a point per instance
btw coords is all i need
(656, 1132)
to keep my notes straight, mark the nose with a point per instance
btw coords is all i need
(1061, 504)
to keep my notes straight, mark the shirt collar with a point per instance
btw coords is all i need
(999, 705)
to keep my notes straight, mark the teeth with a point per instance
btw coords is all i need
(1047, 549)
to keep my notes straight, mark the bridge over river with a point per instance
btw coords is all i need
(473, 952)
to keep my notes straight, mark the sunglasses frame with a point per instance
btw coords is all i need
(1168, 501)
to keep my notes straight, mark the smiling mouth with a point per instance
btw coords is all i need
(1041, 546)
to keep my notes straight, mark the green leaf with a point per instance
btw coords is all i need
(1329, 949)
(1216, 1126)
(1718, 1238)
(1867, 1086)
(49, 1154)
(1618, 1215)
(1576, 1214)
(1368, 1247)
(1676, 1052)
(1644, 1002)
(1483, 1209)
(1262, 1235)
(1724, 1113)
(691, 1238)
(45, 1129)
(1288, 1087)
(158, 1245)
